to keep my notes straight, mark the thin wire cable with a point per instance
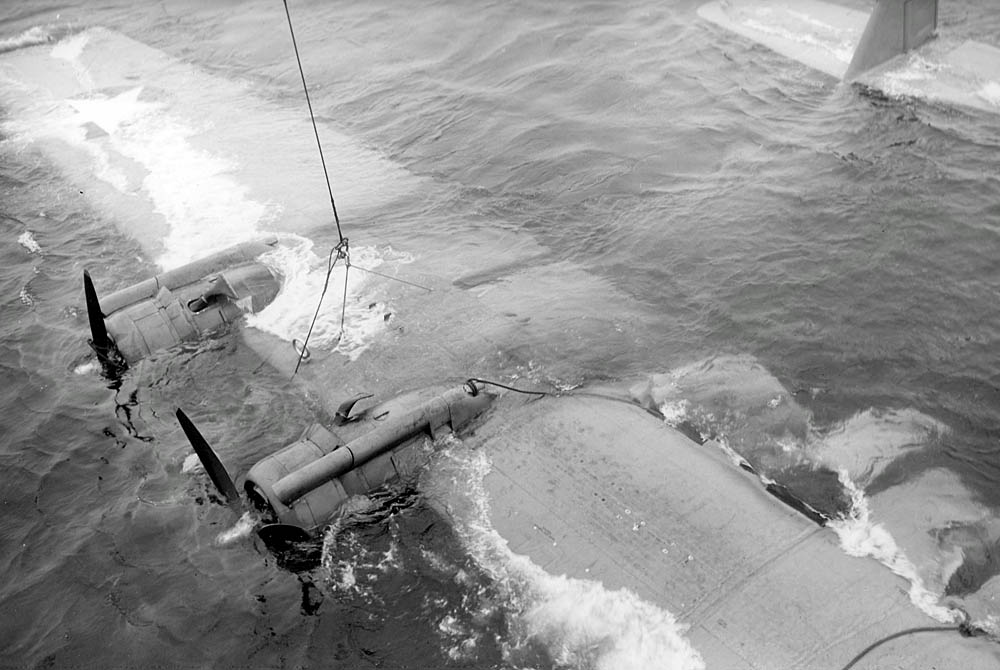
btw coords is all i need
(312, 117)
(331, 263)
(563, 394)
(504, 386)
(401, 281)
(343, 304)
(887, 638)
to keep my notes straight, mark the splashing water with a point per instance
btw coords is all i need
(27, 240)
(238, 531)
(304, 275)
(860, 536)
(579, 623)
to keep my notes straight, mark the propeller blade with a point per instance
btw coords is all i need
(98, 332)
(216, 471)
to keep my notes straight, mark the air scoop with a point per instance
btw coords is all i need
(180, 305)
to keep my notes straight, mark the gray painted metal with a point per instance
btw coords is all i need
(759, 585)
(895, 27)
(306, 482)
(239, 254)
(191, 301)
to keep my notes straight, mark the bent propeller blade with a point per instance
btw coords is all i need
(216, 471)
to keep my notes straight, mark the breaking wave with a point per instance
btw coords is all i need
(34, 36)
(571, 622)
(861, 536)
(923, 529)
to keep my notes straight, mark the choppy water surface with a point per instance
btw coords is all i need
(802, 269)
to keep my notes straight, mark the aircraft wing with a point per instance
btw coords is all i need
(595, 489)
(819, 34)
(890, 50)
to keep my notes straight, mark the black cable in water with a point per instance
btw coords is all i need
(312, 116)
(401, 281)
(902, 633)
(965, 629)
(504, 386)
(562, 394)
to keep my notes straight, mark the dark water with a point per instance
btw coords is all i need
(768, 239)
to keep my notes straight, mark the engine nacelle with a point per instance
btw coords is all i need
(306, 482)
(187, 303)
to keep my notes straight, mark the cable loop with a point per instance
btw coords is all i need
(301, 349)
(472, 381)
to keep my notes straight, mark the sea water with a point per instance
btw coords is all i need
(803, 270)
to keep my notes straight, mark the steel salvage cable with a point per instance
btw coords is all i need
(342, 251)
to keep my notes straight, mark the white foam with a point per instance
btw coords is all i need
(86, 368)
(191, 464)
(990, 92)
(840, 47)
(27, 240)
(340, 573)
(736, 395)
(861, 536)
(31, 37)
(204, 207)
(910, 78)
(206, 210)
(463, 640)
(675, 412)
(579, 622)
(304, 274)
(188, 181)
(238, 531)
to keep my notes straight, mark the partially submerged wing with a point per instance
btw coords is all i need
(870, 49)
(600, 490)
(819, 34)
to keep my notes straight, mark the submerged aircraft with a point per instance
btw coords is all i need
(589, 484)
(592, 484)
(871, 49)
(299, 488)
